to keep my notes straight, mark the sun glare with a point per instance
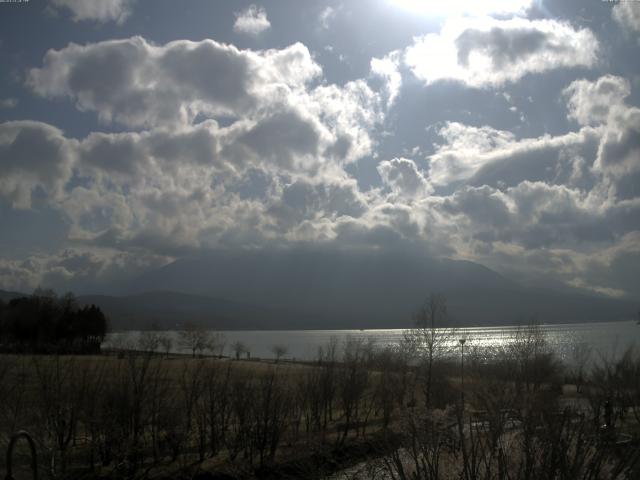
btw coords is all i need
(445, 8)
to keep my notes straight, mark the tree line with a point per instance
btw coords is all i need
(46, 323)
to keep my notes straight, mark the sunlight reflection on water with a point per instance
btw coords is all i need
(605, 339)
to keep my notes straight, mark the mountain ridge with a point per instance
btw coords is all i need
(335, 290)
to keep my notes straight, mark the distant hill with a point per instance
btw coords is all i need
(328, 289)
(332, 289)
(169, 310)
(5, 295)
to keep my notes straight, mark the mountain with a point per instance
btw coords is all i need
(336, 289)
(333, 289)
(169, 310)
(6, 296)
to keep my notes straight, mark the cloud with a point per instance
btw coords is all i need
(487, 52)
(464, 151)
(251, 21)
(589, 103)
(388, 69)
(533, 216)
(182, 182)
(619, 154)
(484, 155)
(243, 149)
(139, 84)
(404, 179)
(627, 14)
(310, 209)
(562, 209)
(264, 94)
(612, 271)
(608, 271)
(602, 102)
(8, 103)
(33, 156)
(99, 11)
(326, 16)
(80, 270)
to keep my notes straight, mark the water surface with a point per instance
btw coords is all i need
(604, 339)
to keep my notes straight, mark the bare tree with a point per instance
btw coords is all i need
(217, 344)
(166, 343)
(195, 338)
(580, 355)
(353, 381)
(279, 351)
(430, 339)
(149, 341)
(239, 348)
(532, 358)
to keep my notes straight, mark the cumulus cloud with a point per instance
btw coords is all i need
(310, 209)
(619, 154)
(531, 214)
(388, 69)
(562, 208)
(602, 102)
(139, 84)
(589, 103)
(627, 14)
(608, 270)
(33, 156)
(252, 21)
(404, 178)
(236, 148)
(489, 53)
(81, 270)
(279, 111)
(188, 183)
(99, 11)
(612, 271)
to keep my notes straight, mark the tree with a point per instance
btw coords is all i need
(194, 338)
(149, 341)
(429, 339)
(238, 349)
(45, 323)
(279, 351)
(217, 343)
(166, 342)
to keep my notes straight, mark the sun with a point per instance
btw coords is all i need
(446, 8)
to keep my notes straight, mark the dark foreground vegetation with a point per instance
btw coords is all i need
(46, 323)
(423, 410)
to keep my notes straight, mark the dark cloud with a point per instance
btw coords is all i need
(283, 137)
(33, 155)
(503, 47)
(138, 84)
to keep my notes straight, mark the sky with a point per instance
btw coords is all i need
(134, 133)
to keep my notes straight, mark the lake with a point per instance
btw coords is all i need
(604, 339)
